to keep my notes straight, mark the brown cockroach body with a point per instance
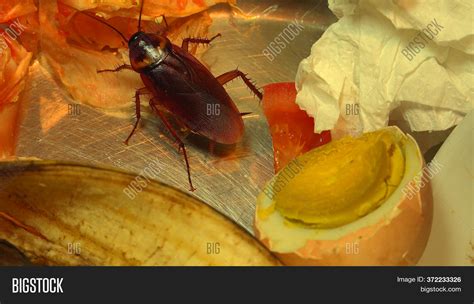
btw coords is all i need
(183, 87)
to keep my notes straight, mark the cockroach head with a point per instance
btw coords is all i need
(147, 50)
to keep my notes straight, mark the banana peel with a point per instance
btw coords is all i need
(66, 214)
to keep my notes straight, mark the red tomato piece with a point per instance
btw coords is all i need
(292, 130)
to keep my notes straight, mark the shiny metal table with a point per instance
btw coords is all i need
(227, 180)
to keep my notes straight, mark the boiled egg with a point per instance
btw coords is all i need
(355, 201)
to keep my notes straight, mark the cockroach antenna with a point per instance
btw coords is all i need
(140, 17)
(105, 23)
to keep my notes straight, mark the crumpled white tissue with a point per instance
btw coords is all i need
(366, 53)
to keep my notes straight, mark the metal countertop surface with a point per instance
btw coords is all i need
(227, 180)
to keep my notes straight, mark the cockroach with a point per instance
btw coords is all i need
(182, 87)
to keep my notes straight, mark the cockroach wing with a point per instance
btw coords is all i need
(187, 89)
(206, 116)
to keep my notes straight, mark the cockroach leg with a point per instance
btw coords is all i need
(226, 77)
(139, 92)
(166, 22)
(186, 41)
(180, 142)
(118, 69)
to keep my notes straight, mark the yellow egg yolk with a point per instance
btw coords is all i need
(342, 181)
